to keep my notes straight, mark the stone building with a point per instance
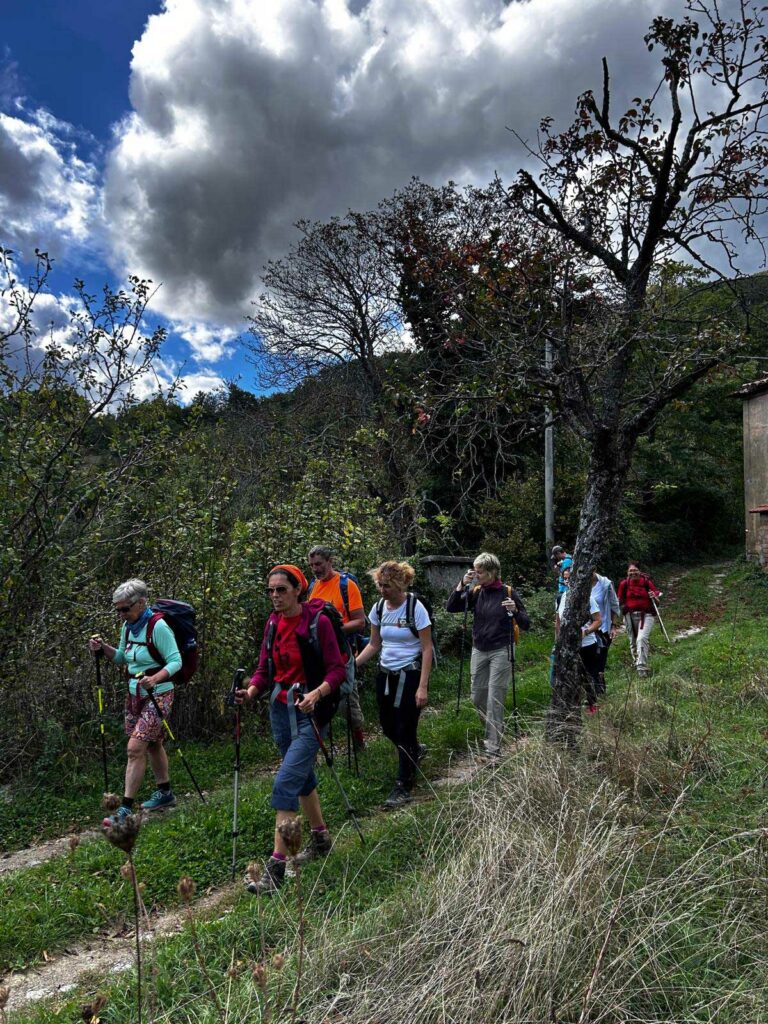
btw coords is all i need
(755, 399)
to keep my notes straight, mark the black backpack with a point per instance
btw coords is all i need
(327, 706)
(181, 617)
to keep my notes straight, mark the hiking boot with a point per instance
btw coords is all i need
(319, 845)
(358, 738)
(272, 877)
(399, 797)
(159, 801)
(120, 815)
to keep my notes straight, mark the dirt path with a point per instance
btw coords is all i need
(113, 951)
(102, 956)
(31, 856)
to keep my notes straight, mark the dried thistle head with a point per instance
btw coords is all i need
(90, 1011)
(74, 842)
(124, 833)
(186, 888)
(253, 871)
(278, 961)
(110, 802)
(291, 833)
(259, 975)
(5, 994)
(126, 870)
(233, 971)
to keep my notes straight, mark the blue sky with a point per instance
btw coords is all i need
(181, 140)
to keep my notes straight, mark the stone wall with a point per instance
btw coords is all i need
(442, 572)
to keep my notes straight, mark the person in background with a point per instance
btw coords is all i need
(303, 681)
(496, 609)
(401, 634)
(343, 593)
(636, 593)
(561, 561)
(156, 666)
(589, 649)
(610, 615)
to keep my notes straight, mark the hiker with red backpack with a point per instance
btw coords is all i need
(498, 616)
(149, 652)
(401, 634)
(302, 667)
(637, 595)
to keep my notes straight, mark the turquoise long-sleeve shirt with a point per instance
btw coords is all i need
(134, 654)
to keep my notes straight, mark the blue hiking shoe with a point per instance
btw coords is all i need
(120, 814)
(159, 801)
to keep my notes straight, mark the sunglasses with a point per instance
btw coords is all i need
(123, 608)
(276, 590)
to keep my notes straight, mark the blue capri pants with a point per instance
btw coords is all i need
(296, 775)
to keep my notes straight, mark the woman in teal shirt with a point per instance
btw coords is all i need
(142, 723)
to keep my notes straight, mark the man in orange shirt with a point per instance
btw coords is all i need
(344, 594)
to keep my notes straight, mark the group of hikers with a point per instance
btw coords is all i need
(311, 651)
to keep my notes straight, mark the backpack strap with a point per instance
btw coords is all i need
(410, 612)
(153, 651)
(379, 610)
(269, 641)
(344, 588)
(311, 587)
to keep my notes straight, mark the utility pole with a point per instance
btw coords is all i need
(549, 463)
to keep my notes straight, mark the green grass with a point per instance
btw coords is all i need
(194, 840)
(690, 738)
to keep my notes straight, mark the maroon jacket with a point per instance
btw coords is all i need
(329, 667)
(635, 594)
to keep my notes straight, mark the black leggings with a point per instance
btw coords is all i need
(399, 724)
(590, 659)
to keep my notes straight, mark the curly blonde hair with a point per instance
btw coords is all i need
(401, 574)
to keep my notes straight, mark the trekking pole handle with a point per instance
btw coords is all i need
(237, 680)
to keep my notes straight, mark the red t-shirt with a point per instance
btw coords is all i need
(289, 668)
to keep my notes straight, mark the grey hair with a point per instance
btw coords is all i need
(131, 590)
(485, 560)
(322, 550)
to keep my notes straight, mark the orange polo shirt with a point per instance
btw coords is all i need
(330, 590)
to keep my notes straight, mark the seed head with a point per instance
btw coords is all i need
(74, 842)
(5, 993)
(259, 974)
(290, 832)
(90, 1011)
(186, 888)
(110, 801)
(278, 961)
(126, 871)
(124, 833)
(253, 871)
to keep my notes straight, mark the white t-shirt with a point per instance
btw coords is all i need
(590, 638)
(398, 644)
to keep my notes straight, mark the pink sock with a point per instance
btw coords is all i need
(320, 828)
(278, 856)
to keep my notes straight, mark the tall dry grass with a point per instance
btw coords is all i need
(541, 901)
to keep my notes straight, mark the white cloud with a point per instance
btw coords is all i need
(49, 196)
(207, 342)
(249, 114)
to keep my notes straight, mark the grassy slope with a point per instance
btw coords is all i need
(696, 727)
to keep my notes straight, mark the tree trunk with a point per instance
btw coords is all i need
(607, 472)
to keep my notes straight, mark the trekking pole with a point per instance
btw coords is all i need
(98, 655)
(658, 616)
(151, 694)
(463, 644)
(512, 663)
(230, 701)
(329, 761)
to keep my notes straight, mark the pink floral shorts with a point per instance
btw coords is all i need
(141, 718)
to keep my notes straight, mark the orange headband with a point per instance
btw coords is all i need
(295, 572)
